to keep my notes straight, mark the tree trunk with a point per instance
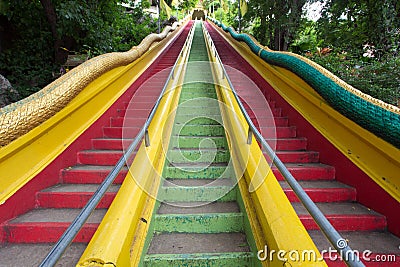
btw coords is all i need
(51, 15)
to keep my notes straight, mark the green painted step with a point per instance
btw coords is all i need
(199, 155)
(196, 194)
(185, 95)
(198, 142)
(199, 130)
(199, 223)
(197, 172)
(242, 259)
(198, 220)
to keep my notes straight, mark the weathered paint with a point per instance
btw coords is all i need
(242, 259)
(200, 193)
(199, 223)
(199, 150)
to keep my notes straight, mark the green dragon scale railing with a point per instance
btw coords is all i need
(376, 116)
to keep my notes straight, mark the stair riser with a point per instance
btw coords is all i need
(128, 122)
(199, 130)
(300, 157)
(181, 156)
(121, 132)
(89, 177)
(198, 260)
(206, 194)
(203, 223)
(308, 174)
(277, 132)
(196, 142)
(199, 119)
(101, 159)
(269, 122)
(111, 144)
(46, 232)
(325, 195)
(349, 222)
(192, 173)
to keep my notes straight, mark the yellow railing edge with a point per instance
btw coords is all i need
(131, 226)
(281, 228)
(52, 137)
(374, 156)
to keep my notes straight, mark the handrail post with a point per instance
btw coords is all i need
(146, 138)
(249, 136)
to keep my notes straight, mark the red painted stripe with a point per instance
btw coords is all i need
(73, 176)
(46, 232)
(297, 156)
(302, 172)
(99, 157)
(120, 132)
(131, 122)
(348, 222)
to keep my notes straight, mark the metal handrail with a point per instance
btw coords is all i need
(65, 240)
(348, 255)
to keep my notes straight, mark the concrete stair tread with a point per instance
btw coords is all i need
(12, 254)
(198, 207)
(308, 171)
(198, 164)
(337, 209)
(56, 215)
(101, 151)
(69, 188)
(375, 241)
(170, 182)
(316, 184)
(90, 168)
(183, 243)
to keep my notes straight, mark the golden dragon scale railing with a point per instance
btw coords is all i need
(21, 117)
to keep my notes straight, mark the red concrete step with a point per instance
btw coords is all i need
(344, 217)
(110, 143)
(121, 132)
(322, 191)
(268, 121)
(307, 172)
(259, 112)
(289, 144)
(47, 225)
(73, 196)
(278, 132)
(99, 157)
(298, 156)
(87, 174)
(131, 122)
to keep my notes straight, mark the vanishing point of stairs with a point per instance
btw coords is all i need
(199, 221)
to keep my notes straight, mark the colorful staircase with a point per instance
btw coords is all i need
(30, 236)
(361, 227)
(199, 220)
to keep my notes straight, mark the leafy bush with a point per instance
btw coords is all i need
(377, 78)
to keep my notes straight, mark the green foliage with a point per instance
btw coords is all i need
(90, 27)
(373, 77)
(351, 24)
